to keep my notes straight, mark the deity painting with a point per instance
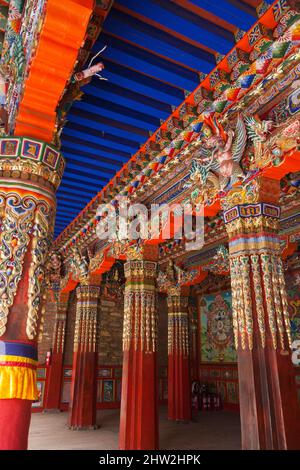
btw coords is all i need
(294, 305)
(216, 329)
(108, 390)
(9, 147)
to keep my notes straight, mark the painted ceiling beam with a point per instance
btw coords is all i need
(94, 169)
(68, 189)
(67, 220)
(166, 45)
(66, 210)
(235, 12)
(117, 99)
(114, 154)
(176, 18)
(118, 109)
(68, 196)
(127, 77)
(95, 137)
(255, 3)
(102, 124)
(85, 173)
(68, 199)
(75, 177)
(144, 61)
(108, 89)
(80, 153)
(90, 164)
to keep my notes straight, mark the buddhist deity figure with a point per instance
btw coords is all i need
(222, 151)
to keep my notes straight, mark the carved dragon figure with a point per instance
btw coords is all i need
(258, 132)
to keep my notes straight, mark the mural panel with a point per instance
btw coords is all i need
(294, 309)
(216, 329)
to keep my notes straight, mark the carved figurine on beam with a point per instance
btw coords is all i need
(219, 264)
(174, 277)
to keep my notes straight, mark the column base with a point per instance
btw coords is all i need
(15, 415)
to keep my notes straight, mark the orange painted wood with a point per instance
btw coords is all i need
(61, 37)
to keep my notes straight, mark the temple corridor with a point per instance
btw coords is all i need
(150, 226)
(213, 430)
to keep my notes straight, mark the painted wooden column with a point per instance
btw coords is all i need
(139, 401)
(82, 410)
(55, 369)
(30, 172)
(269, 410)
(179, 384)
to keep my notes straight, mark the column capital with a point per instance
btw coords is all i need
(259, 301)
(30, 173)
(32, 161)
(260, 189)
(87, 292)
(139, 251)
(181, 292)
(252, 209)
(178, 340)
(140, 268)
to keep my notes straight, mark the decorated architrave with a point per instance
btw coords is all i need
(55, 368)
(268, 401)
(179, 384)
(139, 401)
(82, 408)
(29, 176)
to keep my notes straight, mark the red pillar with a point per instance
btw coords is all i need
(139, 402)
(179, 384)
(82, 410)
(269, 409)
(14, 425)
(27, 200)
(55, 369)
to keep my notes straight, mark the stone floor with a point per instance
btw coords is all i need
(213, 430)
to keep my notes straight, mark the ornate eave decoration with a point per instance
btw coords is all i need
(226, 94)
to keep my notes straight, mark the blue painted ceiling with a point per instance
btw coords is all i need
(156, 50)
